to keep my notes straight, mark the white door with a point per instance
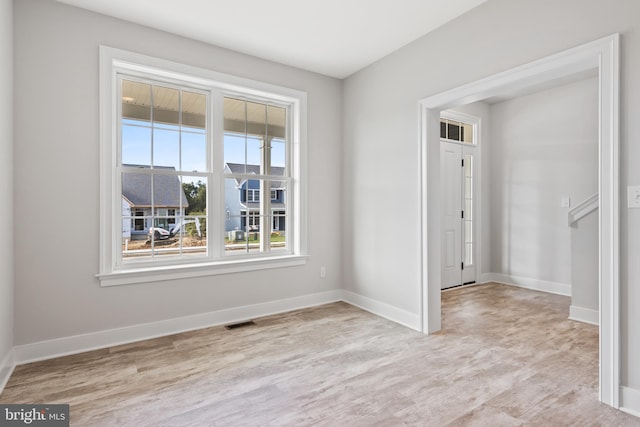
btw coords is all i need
(457, 182)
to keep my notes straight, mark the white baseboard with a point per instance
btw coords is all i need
(7, 365)
(586, 315)
(395, 314)
(630, 401)
(86, 342)
(529, 283)
(485, 278)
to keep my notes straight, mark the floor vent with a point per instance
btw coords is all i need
(240, 325)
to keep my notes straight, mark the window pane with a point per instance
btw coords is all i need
(136, 144)
(136, 210)
(242, 154)
(453, 131)
(235, 152)
(277, 119)
(194, 225)
(195, 235)
(168, 193)
(256, 119)
(166, 106)
(443, 129)
(278, 157)
(247, 224)
(278, 217)
(249, 128)
(254, 154)
(136, 101)
(233, 206)
(194, 152)
(467, 133)
(166, 148)
(194, 110)
(468, 254)
(234, 116)
(194, 190)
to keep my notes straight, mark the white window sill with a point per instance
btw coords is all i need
(184, 271)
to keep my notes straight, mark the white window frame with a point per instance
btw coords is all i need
(253, 195)
(112, 272)
(456, 119)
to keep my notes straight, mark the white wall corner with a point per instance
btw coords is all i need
(585, 315)
(102, 339)
(531, 283)
(6, 369)
(630, 400)
(387, 311)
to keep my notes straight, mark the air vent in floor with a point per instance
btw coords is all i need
(240, 325)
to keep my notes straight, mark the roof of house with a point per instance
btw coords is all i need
(167, 191)
(241, 168)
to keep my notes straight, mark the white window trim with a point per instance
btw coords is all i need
(463, 119)
(253, 192)
(113, 60)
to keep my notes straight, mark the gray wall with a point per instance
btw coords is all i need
(381, 136)
(57, 161)
(6, 183)
(544, 147)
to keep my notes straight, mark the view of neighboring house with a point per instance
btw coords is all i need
(169, 202)
(242, 199)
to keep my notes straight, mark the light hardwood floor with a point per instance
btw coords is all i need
(505, 357)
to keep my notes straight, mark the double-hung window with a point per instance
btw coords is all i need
(186, 155)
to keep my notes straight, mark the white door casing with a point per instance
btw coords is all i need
(601, 55)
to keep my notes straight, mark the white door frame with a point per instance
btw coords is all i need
(476, 147)
(601, 55)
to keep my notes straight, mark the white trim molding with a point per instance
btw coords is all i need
(600, 55)
(43, 350)
(630, 400)
(7, 365)
(65, 346)
(387, 311)
(531, 283)
(584, 315)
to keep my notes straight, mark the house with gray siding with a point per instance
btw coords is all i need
(144, 211)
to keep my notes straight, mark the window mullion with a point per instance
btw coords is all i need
(215, 194)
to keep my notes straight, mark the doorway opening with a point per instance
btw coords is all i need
(459, 142)
(603, 57)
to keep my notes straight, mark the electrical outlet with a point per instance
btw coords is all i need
(565, 202)
(323, 271)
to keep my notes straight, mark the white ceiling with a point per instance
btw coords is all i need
(331, 37)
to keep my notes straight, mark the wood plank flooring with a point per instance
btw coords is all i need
(505, 357)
